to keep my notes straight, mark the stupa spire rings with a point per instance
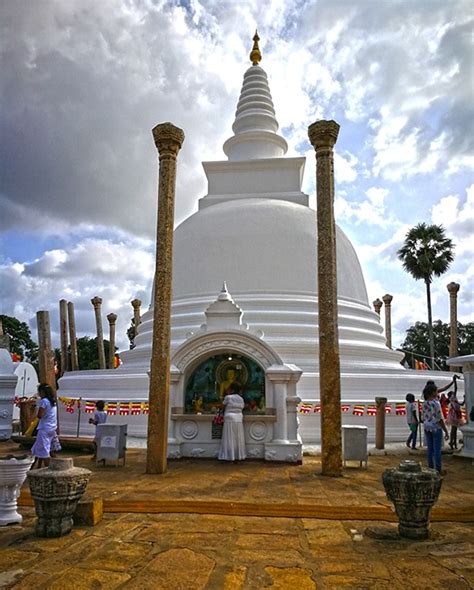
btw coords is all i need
(255, 54)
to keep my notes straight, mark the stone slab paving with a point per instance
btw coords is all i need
(205, 551)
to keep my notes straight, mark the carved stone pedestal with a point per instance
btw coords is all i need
(56, 491)
(13, 472)
(413, 491)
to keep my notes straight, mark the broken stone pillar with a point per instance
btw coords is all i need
(56, 490)
(453, 289)
(72, 337)
(323, 136)
(380, 422)
(136, 304)
(112, 318)
(168, 141)
(387, 299)
(97, 303)
(63, 334)
(45, 353)
(377, 306)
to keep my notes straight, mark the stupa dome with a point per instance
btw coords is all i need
(264, 245)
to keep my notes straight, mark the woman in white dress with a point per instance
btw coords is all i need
(233, 439)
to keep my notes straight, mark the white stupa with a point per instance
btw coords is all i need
(255, 230)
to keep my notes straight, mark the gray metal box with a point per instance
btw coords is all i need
(354, 444)
(111, 440)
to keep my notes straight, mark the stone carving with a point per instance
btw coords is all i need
(189, 429)
(258, 431)
(413, 491)
(255, 453)
(13, 472)
(174, 455)
(293, 458)
(270, 455)
(56, 490)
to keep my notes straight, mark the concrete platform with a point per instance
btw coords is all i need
(247, 525)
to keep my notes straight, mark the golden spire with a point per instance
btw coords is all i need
(255, 54)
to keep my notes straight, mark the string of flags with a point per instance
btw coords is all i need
(112, 408)
(359, 409)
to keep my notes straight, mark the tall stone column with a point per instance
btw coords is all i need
(323, 136)
(63, 334)
(377, 306)
(45, 354)
(168, 141)
(97, 303)
(137, 320)
(453, 289)
(387, 299)
(112, 318)
(72, 336)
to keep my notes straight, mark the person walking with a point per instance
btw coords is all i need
(412, 420)
(47, 425)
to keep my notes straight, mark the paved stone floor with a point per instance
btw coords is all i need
(139, 550)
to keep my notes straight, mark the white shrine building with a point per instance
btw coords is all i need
(254, 230)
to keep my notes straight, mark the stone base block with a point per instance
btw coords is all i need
(89, 511)
(286, 452)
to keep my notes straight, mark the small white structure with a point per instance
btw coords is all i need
(13, 472)
(8, 381)
(467, 364)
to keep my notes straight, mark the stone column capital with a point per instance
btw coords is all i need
(387, 299)
(168, 139)
(323, 134)
(136, 303)
(112, 317)
(96, 301)
(377, 305)
(453, 288)
(380, 401)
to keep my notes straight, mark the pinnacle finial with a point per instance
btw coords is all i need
(255, 54)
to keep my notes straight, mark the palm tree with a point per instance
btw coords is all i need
(427, 252)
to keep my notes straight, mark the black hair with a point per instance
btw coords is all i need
(410, 397)
(430, 389)
(48, 392)
(100, 405)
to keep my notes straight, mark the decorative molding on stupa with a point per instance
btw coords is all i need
(224, 313)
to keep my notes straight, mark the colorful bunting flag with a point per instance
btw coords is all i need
(358, 410)
(345, 408)
(400, 409)
(112, 408)
(135, 408)
(371, 410)
(145, 408)
(89, 407)
(124, 409)
(317, 409)
(388, 409)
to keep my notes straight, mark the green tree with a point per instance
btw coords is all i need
(417, 341)
(427, 253)
(88, 353)
(20, 339)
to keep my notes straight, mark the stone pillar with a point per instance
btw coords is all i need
(377, 306)
(168, 141)
(323, 136)
(4, 338)
(137, 320)
(72, 336)
(63, 334)
(453, 289)
(97, 303)
(112, 318)
(380, 422)
(387, 299)
(45, 353)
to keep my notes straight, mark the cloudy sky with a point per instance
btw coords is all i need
(83, 83)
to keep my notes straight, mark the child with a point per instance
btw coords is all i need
(412, 420)
(434, 425)
(47, 425)
(454, 416)
(100, 417)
